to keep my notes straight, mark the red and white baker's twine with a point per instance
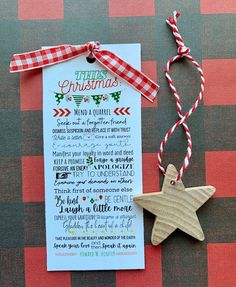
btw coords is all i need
(58, 54)
(183, 51)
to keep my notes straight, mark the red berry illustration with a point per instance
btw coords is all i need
(100, 196)
(84, 197)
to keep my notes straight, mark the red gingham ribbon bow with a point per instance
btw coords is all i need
(58, 54)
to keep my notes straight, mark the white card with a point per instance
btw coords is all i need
(93, 165)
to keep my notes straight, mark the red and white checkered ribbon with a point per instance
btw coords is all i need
(58, 54)
(183, 51)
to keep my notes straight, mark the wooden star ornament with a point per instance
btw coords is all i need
(175, 207)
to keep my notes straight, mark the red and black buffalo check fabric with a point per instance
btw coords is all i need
(208, 27)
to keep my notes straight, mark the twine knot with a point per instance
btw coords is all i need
(172, 22)
(183, 51)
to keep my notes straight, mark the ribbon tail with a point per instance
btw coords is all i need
(44, 57)
(53, 55)
(126, 72)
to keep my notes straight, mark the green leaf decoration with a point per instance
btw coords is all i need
(89, 160)
(116, 96)
(97, 99)
(78, 99)
(59, 97)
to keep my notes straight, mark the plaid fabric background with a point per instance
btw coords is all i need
(208, 28)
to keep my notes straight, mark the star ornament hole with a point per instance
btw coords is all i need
(172, 182)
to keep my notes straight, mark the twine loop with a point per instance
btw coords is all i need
(183, 51)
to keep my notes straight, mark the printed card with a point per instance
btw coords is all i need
(93, 165)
